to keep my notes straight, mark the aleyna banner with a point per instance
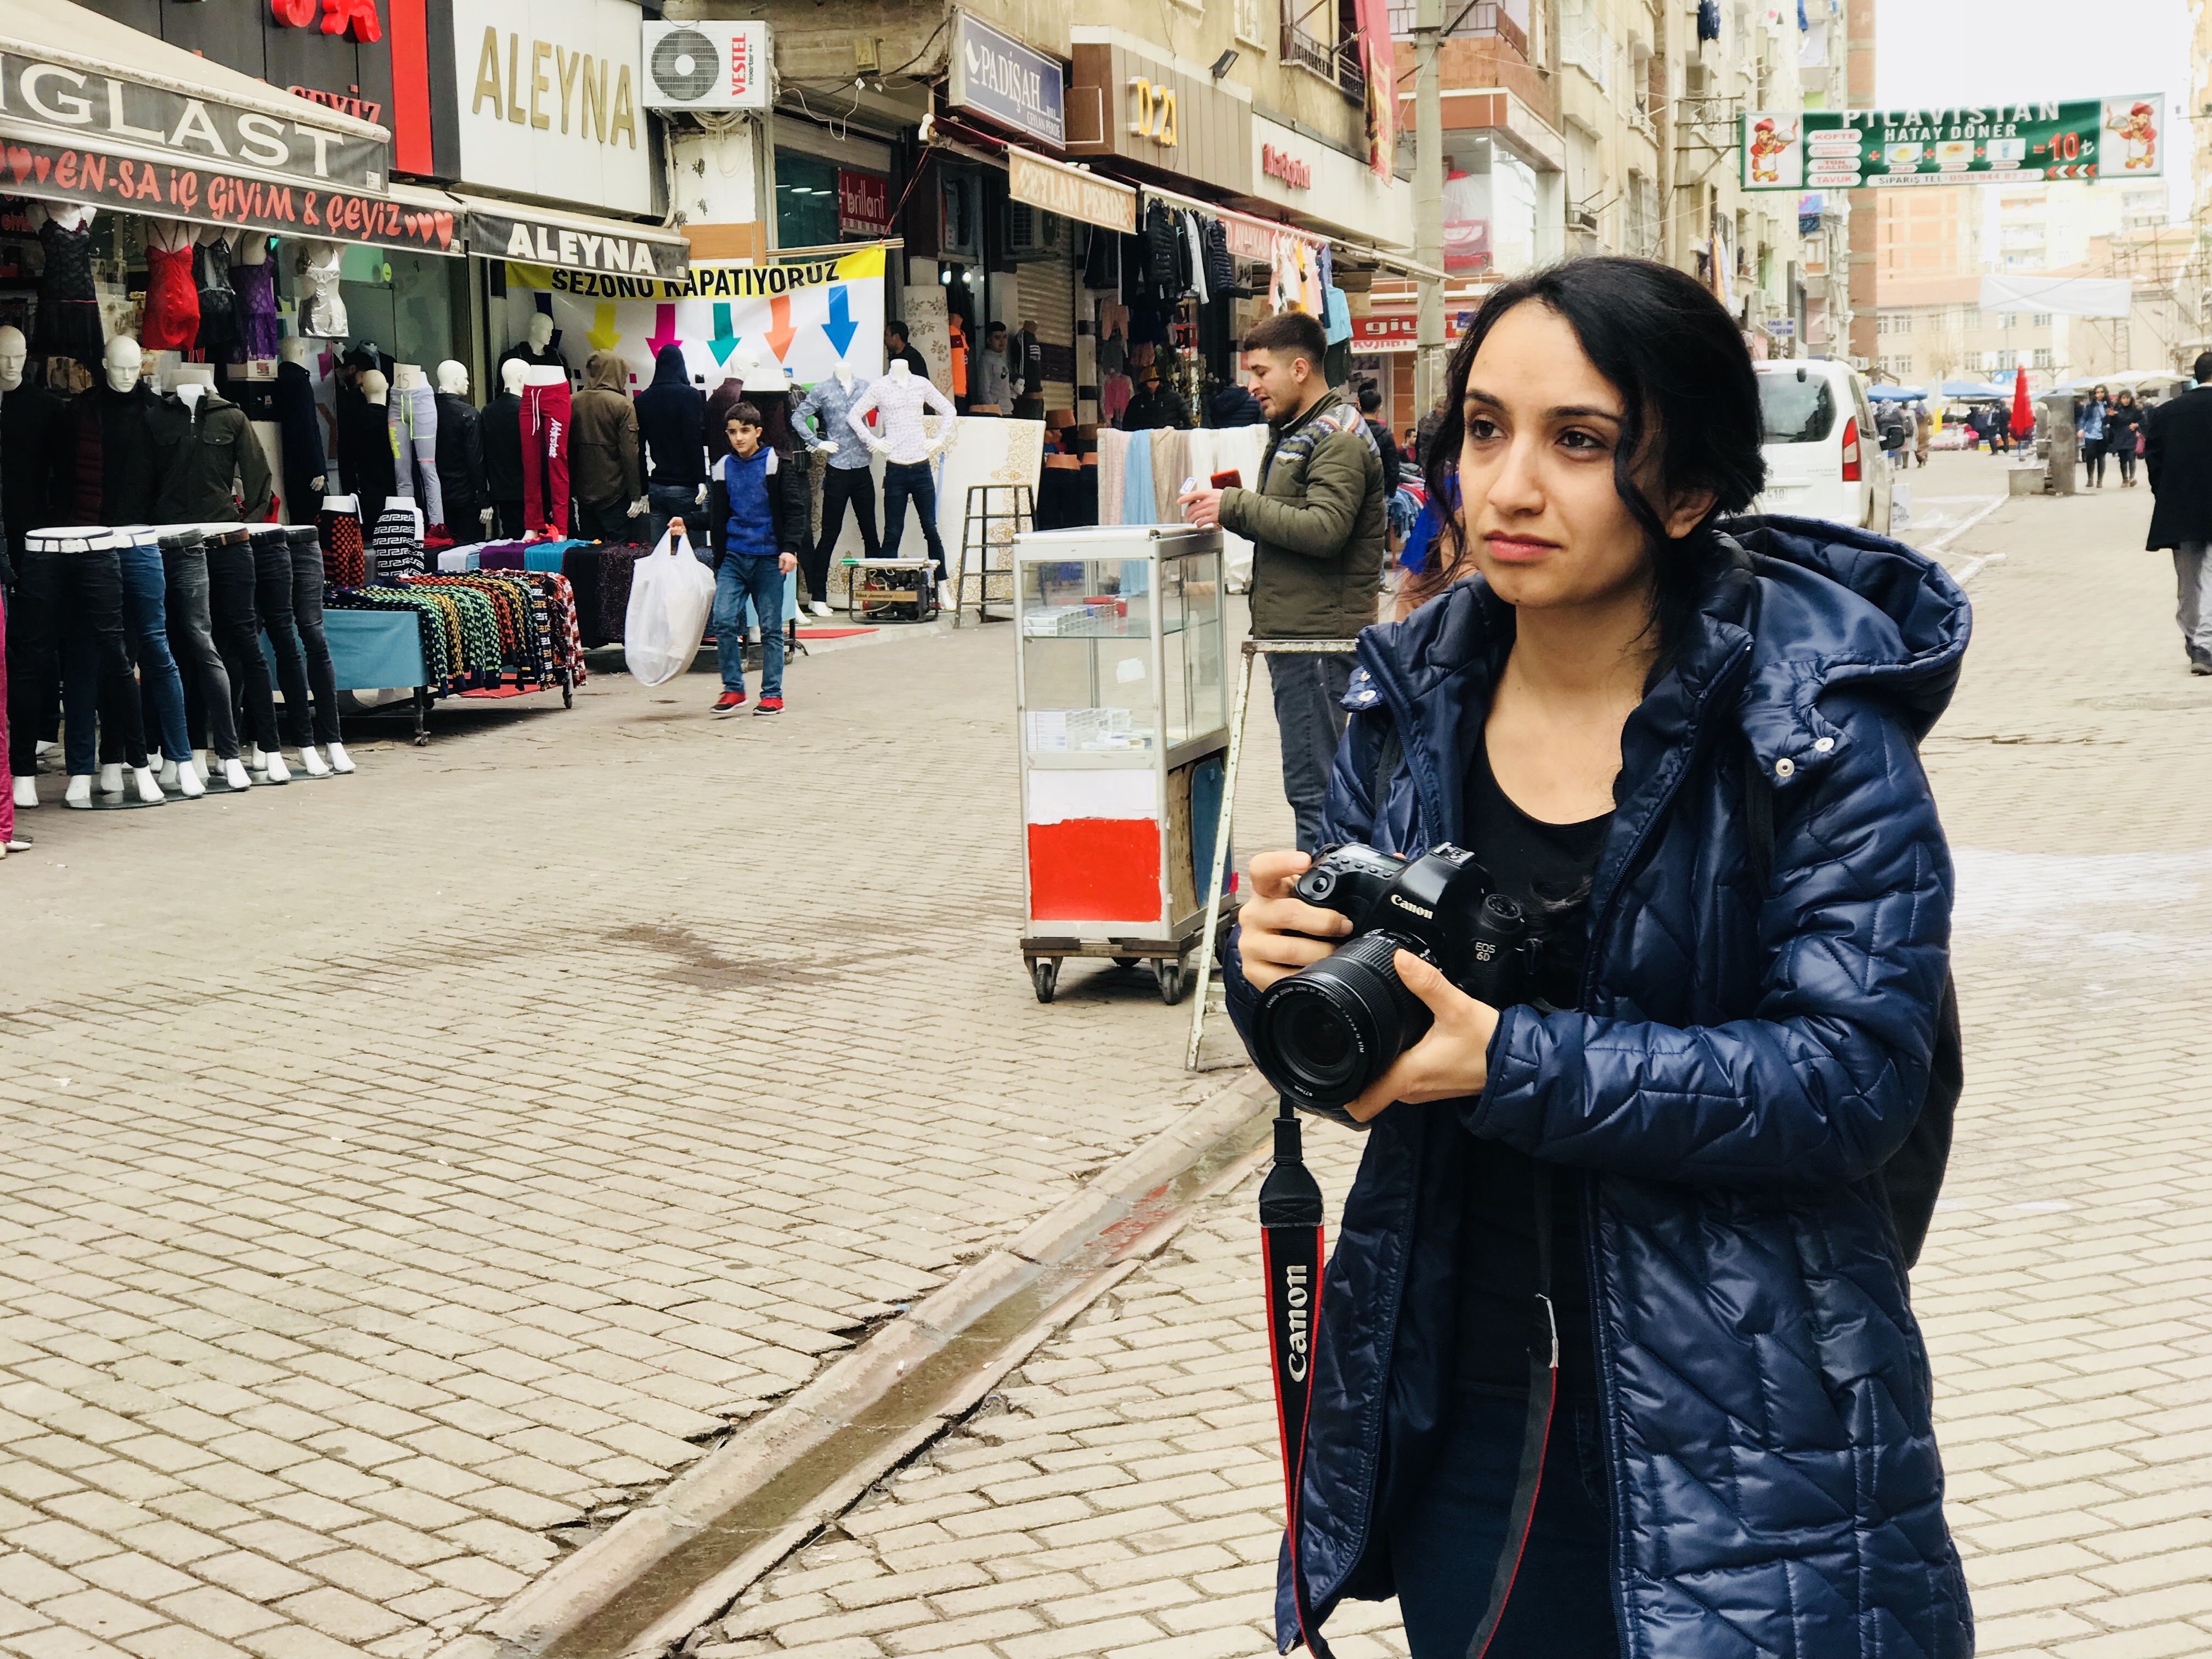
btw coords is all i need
(1849, 149)
(806, 316)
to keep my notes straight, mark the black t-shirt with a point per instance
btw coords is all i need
(1547, 868)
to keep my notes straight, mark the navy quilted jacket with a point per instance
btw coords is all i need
(1748, 1057)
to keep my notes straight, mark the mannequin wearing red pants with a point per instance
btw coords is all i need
(545, 450)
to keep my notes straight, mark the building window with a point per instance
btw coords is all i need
(1324, 36)
(2008, 360)
(806, 200)
(2043, 357)
(2007, 319)
(1247, 24)
(1643, 217)
(2042, 319)
(1582, 39)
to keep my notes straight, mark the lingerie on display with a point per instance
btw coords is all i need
(69, 304)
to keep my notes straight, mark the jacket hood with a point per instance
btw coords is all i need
(210, 401)
(1804, 608)
(668, 367)
(604, 373)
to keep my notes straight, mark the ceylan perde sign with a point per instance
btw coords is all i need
(1015, 85)
(1850, 150)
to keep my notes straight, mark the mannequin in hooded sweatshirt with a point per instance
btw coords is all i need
(671, 424)
(502, 450)
(603, 453)
(460, 454)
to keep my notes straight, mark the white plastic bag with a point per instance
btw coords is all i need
(672, 595)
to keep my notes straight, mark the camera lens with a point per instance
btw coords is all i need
(1323, 1035)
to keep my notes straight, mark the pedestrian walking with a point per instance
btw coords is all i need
(1924, 434)
(603, 452)
(757, 507)
(1319, 520)
(2123, 436)
(1371, 399)
(2000, 430)
(2089, 422)
(1895, 426)
(2177, 461)
(1636, 1259)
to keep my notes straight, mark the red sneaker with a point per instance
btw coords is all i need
(770, 706)
(729, 702)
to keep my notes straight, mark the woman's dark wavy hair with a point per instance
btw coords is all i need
(1691, 402)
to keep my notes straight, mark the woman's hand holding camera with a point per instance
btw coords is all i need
(1281, 934)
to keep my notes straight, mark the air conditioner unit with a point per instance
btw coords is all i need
(1583, 219)
(1696, 81)
(1032, 232)
(707, 66)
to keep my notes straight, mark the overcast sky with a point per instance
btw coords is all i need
(1968, 51)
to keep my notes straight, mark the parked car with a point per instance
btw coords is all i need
(1823, 458)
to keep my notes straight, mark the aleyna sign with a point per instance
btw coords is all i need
(1015, 85)
(1847, 149)
(550, 101)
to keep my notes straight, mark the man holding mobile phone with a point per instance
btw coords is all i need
(1320, 529)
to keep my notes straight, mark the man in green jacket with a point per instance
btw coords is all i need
(1319, 526)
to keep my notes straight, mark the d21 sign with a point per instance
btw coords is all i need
(1850, 150)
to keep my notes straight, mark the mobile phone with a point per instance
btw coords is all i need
(1231, 479)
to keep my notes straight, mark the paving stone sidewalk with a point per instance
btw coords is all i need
(1121, 1496)
(404, 1173)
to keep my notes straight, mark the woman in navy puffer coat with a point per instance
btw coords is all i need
(1753, 1040)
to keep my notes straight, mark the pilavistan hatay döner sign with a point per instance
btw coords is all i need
(1843, 150)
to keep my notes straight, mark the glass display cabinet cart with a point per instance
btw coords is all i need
(1122, 682)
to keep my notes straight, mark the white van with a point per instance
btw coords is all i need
(1824, 457)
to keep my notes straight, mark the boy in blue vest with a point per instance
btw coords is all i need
(756, 505)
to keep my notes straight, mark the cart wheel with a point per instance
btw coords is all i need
(1125, 961)
(1168, 971)
(1044, 973)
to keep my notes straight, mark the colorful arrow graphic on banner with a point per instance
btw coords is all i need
(664, 330)
(724, 342)
(780, 333)
(841, 328)
(602, 333)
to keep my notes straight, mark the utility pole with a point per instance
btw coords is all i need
(1428, 203)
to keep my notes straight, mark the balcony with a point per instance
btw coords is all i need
(1485, 19)
(1324, 36)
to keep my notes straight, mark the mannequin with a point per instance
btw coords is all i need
(604, 452)
(322, 311)
(545, 424)
(907, 448)
(30, 430)
(300, 426)
(75, 575)
(219, 337)
(146, 624)
(460, 454)
(538, 350)
(171, 321)
(209, 714)
(255, 279)
(365, 458)
(234, 610)
(503, 449)
(68, 305)
(845, 479)
(106, 470)
(413, 413)
(202, 442)
(302, 571)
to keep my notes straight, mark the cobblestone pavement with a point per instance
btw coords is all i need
(404, 1172)
(1121, 1496)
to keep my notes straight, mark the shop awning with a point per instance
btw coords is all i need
(608, 248)
(77, 87)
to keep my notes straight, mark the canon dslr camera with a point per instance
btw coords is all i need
(1324, 1033)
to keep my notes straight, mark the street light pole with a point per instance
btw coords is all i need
(1428, 203)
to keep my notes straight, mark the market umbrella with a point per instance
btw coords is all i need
(2023, 412)
(1895, 394)
(1971, 389)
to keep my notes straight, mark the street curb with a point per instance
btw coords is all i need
(684, 1556)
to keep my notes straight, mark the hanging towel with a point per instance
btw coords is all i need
(1113, 462)
(1137, 482)
(1336, 315)
(1170, 466)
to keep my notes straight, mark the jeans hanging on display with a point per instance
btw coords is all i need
(915, 483)
(231, 581)
(272, 600)
(207, 714)
(78, 587)
(161, 687)
(306, 555)
(7, 796)
(546, 454)
(841, 486)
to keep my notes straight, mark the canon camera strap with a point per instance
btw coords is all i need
(1290, 1220)
(1290, 1244)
